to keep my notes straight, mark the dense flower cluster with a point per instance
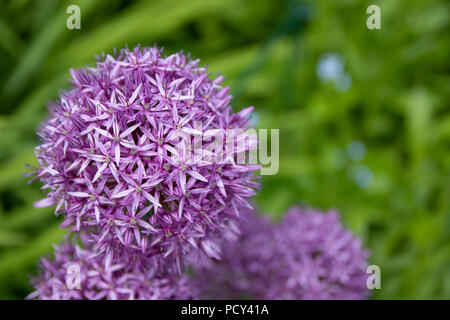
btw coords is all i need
(80, 272)
(309, 255)
(142, 209)
(107, 157)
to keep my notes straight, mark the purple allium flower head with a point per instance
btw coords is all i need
(309, 255)
(80, 272)
(106, 156)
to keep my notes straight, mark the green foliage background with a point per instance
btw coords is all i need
(397, 106)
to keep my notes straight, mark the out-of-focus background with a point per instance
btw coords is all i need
(363, 114)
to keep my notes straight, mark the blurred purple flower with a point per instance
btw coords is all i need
(106, 150)
(102, 276)
(309, 255)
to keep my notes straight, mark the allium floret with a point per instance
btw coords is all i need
(106, 158)
(309, 255)
(79, 272)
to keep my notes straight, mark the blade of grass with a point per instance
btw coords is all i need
(29, 254)
(9, 40)
(138, 23)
